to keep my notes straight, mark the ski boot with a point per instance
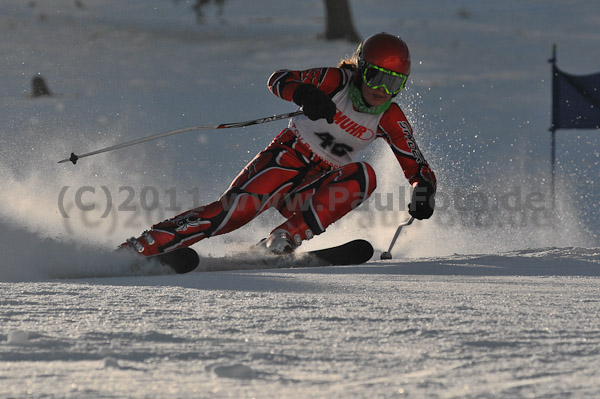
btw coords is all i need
(287, 237)
(150, 242)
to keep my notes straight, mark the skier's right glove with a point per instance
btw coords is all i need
(314, 103)
(423, 201)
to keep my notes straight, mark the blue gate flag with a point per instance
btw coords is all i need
(575, 100)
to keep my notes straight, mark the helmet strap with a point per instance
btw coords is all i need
(359, 102)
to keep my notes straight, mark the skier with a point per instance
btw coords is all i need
(307, 172)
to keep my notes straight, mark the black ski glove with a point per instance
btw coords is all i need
(423, 201)
(314, 103)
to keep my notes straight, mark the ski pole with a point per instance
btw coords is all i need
(388, 254)
(74, 158)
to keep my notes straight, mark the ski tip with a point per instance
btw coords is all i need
(360, 245)
(364, 247)
(351, 253)
(182, 260)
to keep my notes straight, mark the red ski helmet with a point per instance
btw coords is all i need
(385, 51)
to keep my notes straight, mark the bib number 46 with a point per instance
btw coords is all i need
(328, 143)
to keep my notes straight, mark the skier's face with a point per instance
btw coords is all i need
(375, 97)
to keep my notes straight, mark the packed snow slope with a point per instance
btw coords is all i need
(495, 296)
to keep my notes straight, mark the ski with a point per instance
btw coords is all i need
(180, 261)
(353, 252)
(184, 260)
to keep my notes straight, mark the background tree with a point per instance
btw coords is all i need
(339, 23)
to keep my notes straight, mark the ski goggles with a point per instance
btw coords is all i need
(376, 77)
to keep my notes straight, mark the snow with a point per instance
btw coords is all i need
(495, 296)
(335, 332)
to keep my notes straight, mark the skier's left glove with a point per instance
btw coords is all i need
(314, 103)
(423, 201)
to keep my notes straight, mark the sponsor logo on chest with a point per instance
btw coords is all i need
(352, 128)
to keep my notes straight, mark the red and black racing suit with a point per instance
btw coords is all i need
(307, 172)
